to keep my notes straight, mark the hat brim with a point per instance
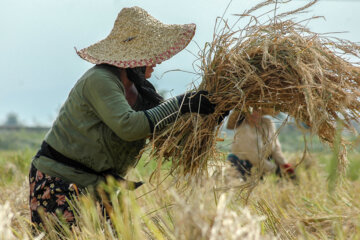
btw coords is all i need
(140, 51)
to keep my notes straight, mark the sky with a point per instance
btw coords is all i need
(39, 66)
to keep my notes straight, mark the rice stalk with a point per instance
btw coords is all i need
(272, 62)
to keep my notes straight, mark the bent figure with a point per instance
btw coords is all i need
(256, 144)
(109, 113)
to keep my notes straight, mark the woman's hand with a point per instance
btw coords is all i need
(289, 171)
(195, 102)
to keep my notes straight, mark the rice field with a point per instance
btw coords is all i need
(210, 201)
(316, 206)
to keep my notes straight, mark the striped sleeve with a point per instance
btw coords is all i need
(162, 115)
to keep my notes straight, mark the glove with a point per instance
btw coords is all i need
(195, 102)
(166, 112)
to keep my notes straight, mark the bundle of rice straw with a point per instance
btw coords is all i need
(277, 64)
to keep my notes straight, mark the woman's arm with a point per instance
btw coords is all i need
(106, 95)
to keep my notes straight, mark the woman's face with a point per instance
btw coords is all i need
(149, 70)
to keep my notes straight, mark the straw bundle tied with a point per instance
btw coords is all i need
(276, 64)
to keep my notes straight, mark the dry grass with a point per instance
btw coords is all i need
(215, 209)
(275, 62)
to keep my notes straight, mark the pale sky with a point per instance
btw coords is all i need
(39, 66)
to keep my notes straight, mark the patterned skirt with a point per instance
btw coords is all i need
(51, 195)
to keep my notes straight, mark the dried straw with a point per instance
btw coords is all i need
(277, 64)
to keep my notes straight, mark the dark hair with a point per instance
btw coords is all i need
(144, 87)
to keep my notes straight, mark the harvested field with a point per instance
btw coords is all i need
(216, 209)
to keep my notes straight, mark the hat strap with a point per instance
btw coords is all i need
(145, 88)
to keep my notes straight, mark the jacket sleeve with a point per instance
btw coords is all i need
(106, 95)
(260, 161)
(276, 152)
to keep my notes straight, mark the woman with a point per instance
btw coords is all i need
(256, 144)
(110, 111)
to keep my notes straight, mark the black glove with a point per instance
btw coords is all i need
(223, 116)
(195, 102)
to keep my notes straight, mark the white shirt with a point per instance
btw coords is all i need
(257, 143)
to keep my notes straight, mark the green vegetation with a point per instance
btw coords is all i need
(292, 140)
(214, 207)
(21, 138)
(14, 165)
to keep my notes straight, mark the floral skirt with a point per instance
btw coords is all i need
(51, 195)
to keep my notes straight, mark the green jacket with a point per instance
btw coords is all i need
(96, 127)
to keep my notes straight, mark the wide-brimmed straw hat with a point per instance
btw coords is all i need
(138, 39)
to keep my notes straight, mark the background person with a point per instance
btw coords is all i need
(256, 144)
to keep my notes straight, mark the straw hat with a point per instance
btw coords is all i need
(138, 39)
